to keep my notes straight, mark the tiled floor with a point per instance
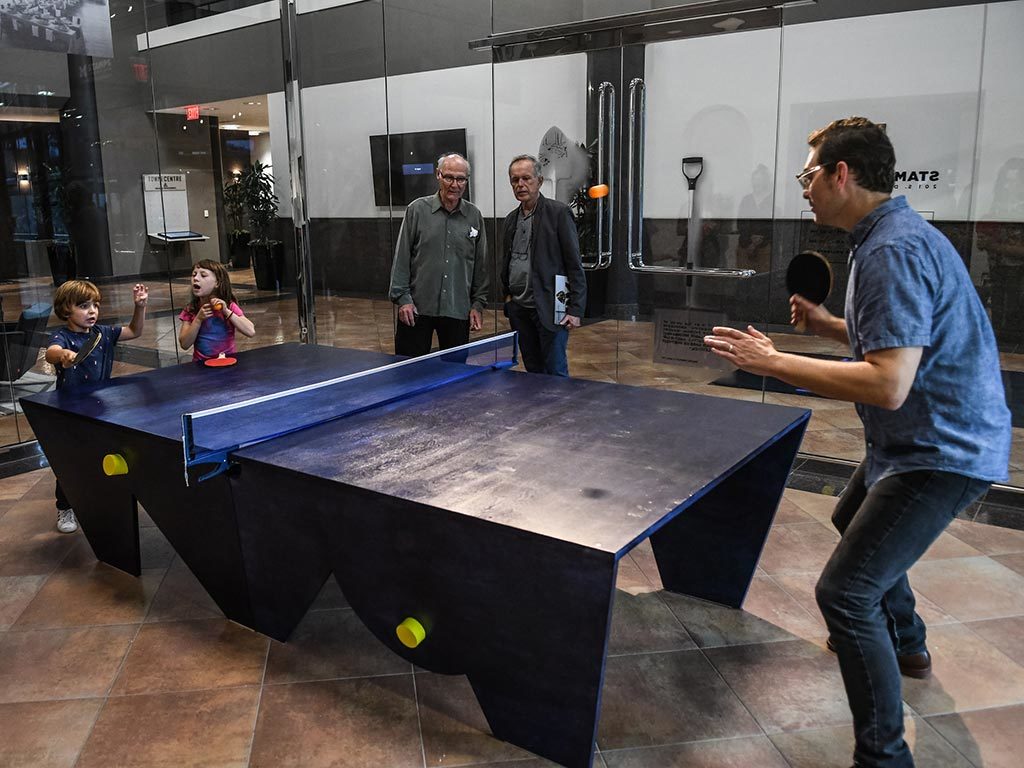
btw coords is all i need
(101, 669)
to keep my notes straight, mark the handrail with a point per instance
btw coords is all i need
(693, 10)
(605, 125)
(638, 124)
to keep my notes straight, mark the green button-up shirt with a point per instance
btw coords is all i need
(441, 259)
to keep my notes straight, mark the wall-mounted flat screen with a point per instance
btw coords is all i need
(410, 172)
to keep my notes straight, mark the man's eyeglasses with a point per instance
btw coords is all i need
(449, 179)
(806, 176)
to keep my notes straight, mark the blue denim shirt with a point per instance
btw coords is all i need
(909, 288)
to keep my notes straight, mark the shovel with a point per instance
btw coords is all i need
(692, 169)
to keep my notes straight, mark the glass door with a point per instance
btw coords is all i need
(662, 138)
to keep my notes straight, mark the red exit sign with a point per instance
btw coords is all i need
(192, 113)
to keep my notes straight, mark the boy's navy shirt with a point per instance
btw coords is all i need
(98, 366)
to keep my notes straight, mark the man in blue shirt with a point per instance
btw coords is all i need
(925, 378)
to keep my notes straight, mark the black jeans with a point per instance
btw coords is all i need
(866, 599)
(62, 500)
(415, 340)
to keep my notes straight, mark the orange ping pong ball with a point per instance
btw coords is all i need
(218, 305)
(598, 190)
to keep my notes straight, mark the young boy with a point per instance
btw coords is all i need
(77, 303)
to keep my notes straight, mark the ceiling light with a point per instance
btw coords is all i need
(231, 127)
(254, 133)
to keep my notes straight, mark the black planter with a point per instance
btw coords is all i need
(267, 266)
(62, 263)
(238, 249)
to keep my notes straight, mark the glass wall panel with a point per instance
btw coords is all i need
(77, 134)
(439, 100)
(733, 99)
(663, 142)
(216, 74)
(120, 123)
(995, 248)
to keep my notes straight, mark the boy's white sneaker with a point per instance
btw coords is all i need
(66, 521)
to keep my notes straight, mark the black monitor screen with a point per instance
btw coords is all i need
(411, 172)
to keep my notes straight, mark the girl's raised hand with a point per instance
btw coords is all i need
(140, 295)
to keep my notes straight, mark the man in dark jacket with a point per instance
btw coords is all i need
(541, 275)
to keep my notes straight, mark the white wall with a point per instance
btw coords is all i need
(452, 98)
(1001, 134)
(530, 97)
(717, 97)
(917, 72)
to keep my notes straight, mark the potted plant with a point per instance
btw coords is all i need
(238, 237)
(258, 192)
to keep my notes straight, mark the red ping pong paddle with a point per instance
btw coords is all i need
(810, 275)
(220, 362)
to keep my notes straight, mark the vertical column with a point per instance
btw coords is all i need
(86, 219)
(296, 165)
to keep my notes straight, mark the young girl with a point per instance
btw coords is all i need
(211, 318)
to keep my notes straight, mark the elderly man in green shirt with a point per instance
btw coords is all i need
(439, 275)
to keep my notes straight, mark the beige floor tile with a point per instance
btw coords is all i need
(641, 705)
(192, 655)
(833, 747)
(372, 721)
(185, 730)
(45, 734)
(991, 738)
(1006, 635)
(89, 596)
(953, 585)
(967, 673)
(787, 686)
(727, 753)
(16, 592)
(988, 539)
(61, 663)
(798, 547)
(817, 505)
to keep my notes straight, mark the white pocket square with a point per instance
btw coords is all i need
(473, 232)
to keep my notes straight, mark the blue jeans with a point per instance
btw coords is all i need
(543, 350)
(866, 599)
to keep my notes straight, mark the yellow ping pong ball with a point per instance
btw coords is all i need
(114, 464)
(598, 190)
(410, 632)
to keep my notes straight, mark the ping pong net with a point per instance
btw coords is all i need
(210, 436)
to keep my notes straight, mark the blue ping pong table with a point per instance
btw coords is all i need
(492, 510)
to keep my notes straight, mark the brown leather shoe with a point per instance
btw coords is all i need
(915, 665)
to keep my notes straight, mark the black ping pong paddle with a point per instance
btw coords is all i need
(810, 275)
(88, 348)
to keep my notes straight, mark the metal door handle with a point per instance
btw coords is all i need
(605, 175)
(635, 192)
